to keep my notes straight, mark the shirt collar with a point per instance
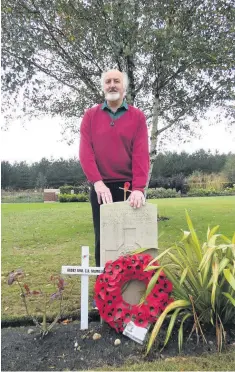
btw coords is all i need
(105, 105)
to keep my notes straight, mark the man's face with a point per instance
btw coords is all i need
(113, 85)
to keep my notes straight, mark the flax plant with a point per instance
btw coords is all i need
(203, 278)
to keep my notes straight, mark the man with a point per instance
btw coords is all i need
(114, 149)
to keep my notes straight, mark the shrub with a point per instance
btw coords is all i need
(81, 189)
(161, 193)
(177, 181)
(65, 198)
(84, 188)
(211, 192)
(230, 190)
(229, 168)
(203, 284)
(203, 192)
(66, 189)
(199, 180)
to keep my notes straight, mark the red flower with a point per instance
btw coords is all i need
(118, 267)
(108, 315)
(167, 286)
(109, 300)
(141, 321)
(127, 315)
(119, 311)
(163, 297)
(127, 186)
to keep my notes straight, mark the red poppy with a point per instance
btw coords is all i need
(167, 286)
(154, 309)
(127, 315)
(163, 297)
(118, 267)
(108, 268)
(141, 322)
(140, 311)
(108, 315)
(119, 311)
(158, 289)
(127, 186)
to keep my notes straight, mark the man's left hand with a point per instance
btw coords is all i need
(136, 199)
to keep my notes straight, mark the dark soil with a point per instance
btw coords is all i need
(56, 351)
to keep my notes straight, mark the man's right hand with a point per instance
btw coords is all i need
(103, 193)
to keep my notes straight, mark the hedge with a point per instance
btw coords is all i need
(65, 198)
(82, 189)
(160, 193)
(211, 192)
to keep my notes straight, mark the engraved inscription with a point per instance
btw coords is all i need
(124, 229)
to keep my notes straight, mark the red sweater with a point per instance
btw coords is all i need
(116, 153)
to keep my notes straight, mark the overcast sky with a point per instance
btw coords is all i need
(43, 138)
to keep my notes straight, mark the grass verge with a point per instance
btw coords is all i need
(204, 362)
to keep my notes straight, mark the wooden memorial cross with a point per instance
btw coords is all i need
(85, 271)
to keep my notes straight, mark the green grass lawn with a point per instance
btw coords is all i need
(204, 362)
(40, 238)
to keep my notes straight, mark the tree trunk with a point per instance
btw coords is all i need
(153, 137)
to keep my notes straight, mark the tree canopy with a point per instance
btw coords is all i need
(168, 167)
(178, 54)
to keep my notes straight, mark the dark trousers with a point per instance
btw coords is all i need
(118, 195)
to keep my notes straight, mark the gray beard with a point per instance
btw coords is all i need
(112, 96)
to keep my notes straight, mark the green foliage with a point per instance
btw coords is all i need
(162, 193)
(203, 192)
(229, 168)
(169, 163)
(203, 282)
(41, 181)
(211, 192)
(216, 181)
(65, 198)
(169, 171)
(67, 189)
(22, 196)
(82, 189)
(52, 174)
(175, 54)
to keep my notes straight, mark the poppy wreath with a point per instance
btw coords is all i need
(108, 292)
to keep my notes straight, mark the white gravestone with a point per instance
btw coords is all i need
(124, 229)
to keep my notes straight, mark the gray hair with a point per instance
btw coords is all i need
(125, 80)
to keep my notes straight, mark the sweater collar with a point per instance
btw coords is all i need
(123, 105)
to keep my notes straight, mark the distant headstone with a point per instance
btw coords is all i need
(123, 230)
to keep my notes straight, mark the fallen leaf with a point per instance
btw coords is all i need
(6, 308)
